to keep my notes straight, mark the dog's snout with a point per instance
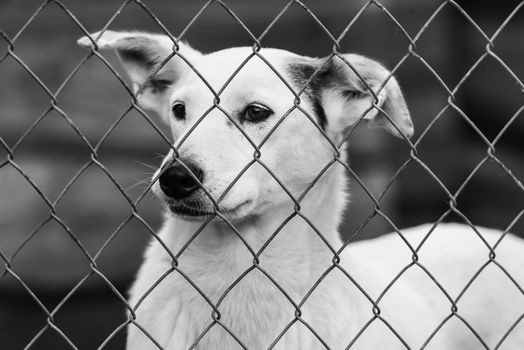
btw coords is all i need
(177, 181)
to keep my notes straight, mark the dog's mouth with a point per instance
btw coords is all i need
(196, 211)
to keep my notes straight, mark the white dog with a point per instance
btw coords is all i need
(256, 245)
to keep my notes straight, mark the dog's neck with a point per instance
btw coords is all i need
(297, 246)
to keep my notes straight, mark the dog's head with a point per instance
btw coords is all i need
(244, 139)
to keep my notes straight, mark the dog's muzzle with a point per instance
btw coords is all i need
(180, 182)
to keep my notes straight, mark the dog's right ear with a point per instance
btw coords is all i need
(141, 55)
(343, 91)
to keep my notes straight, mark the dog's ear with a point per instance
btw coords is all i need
(344, 88)
(141, 55)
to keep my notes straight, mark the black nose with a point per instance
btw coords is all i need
(178, 183)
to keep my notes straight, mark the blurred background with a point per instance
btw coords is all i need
(47, 259)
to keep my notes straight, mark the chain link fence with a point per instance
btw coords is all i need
(47, 226)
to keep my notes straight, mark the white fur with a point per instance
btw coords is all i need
(255, 310)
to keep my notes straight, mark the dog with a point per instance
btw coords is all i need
(249, 255)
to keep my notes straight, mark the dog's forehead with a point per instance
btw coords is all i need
(244, 67)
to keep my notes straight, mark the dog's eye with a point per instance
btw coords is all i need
(256, 113)
(179, 110)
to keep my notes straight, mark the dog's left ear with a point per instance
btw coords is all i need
(345, 88)
(149, 60)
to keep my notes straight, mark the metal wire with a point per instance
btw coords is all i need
(258, 43)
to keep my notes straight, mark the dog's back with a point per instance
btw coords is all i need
(439, 289)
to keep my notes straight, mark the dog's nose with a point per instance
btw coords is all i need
(178, 183)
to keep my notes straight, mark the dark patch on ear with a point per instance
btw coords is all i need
(352, 94)
(326, 76)
(321, 114)
(160, 85)
(300, 74)
(138, 55)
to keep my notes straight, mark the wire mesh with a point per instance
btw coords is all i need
(215, 318)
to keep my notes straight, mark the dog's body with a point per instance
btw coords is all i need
(257, 312)
(250, 186)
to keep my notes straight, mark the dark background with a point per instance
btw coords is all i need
(49, 262)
